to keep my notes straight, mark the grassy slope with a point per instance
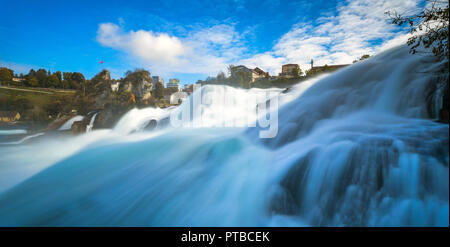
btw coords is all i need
(37, 97)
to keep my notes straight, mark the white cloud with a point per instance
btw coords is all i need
(205, 50)
(341, 38)
(359, 27)
(145, 45)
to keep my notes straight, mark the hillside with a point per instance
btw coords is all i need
(34, 104)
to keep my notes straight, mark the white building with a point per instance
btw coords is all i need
(248, 74)
(174, 83)
(115, 86)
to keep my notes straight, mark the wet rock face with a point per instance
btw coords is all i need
(443, 115)
(57, 123)
(109, 116)
(151, 125)
(78, 127)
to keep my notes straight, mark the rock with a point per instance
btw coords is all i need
(147, 99)
(443, 116)
(109, 116)
(78, 127)
(58, 122)
(287, 90)
(151, 125)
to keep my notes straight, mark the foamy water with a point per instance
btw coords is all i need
(354, 148)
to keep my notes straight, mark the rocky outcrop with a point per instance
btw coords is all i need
(101, 92)
(58, 122)
(138, 82)
(78, 127)
(109, 116)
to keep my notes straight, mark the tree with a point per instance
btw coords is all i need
(364, 57)
(240, 78)
(429, 27)
(138, 75)
(297, 72)
(32, 73)
(67, 81)
(33, 81)
(78, 79)
(65, 84)
(6, 75)
(159, 90)
(221, 76)
(58, 74)
(230, 69)
(67, 76)
(53, 81)
(41, 76)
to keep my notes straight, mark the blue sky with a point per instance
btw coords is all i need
(193, 39)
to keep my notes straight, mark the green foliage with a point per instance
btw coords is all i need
(6, 75)
(14, 103)
(297, 72)
(53, 81)
(78, 77)
(433, 21)
(33, 81)
(41, 76)
(364, 57)
(159, 91)
(34, 106)
(138, 75)
(221, 76)
(59, 75)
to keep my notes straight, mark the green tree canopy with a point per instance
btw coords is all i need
(33, 81)
(6, 75)
(53, 81)
(41, 75)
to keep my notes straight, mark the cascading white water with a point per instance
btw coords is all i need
(68, 124)
(13, 132)
(91, 123)
(353, 148)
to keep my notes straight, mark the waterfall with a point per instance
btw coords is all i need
(357, 147)
(68, 124)
(13, 132)
(91, 123)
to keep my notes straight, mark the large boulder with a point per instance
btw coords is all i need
(109, 116)
(78, 127)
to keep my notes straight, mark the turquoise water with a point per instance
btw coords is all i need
(354, 148)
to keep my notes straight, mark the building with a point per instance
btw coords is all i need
(155, 80)
(174, 83)
(259, 73)
(9, 116)
(16, 79)
(289, 70)
(249, 74)
(115, 86)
